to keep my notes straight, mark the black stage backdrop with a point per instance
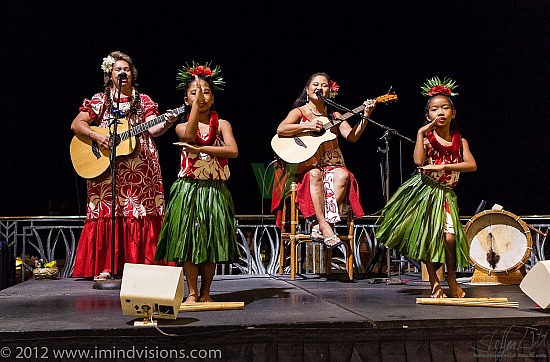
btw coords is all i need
(498, 51)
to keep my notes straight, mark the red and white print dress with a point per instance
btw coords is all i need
(329, 161)
(202, 166)
(140, 195)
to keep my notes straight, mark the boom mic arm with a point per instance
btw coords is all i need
(319, 93)
(388, 130)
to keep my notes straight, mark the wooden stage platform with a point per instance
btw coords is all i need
(310, 319)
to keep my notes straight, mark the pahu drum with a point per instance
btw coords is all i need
(500, 242)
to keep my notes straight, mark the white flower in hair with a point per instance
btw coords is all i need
(107, 65)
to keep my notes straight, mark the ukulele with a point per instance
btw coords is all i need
(306, 148)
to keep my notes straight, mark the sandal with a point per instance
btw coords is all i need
(102, 276)
(316, 234)
(326, 241)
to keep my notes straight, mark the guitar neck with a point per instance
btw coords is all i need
(343, 117)
(140, 128)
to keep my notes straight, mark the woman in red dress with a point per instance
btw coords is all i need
(140, 195)
(324, 188)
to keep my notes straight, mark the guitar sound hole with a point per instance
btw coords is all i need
(117, 140)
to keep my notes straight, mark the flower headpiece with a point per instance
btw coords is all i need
(188, 72)
(107, 65)
(435, 86)
(333, 88)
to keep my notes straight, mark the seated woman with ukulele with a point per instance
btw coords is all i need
(323, 179)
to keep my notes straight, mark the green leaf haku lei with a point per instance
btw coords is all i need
(433, 86)
(188, 72)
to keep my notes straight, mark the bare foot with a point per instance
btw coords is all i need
(205, 298)
(437, 292)
(456, 291)
(191, 298)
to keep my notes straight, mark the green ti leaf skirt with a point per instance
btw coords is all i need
(413, 221)
(199, 224)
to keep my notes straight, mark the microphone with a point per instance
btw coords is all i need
(122, 75)
(319, 94)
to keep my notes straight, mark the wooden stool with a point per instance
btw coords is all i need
(289, 228)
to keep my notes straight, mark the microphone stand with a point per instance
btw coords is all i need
(112, 283)
(385, 174)
(361, 115)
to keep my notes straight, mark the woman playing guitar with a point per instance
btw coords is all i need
(328, 183)
(140, 208)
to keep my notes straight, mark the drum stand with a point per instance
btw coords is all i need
(483, 278)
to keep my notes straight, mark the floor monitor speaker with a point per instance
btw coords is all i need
(536, 283)
(151, 290)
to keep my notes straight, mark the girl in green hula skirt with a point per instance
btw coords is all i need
(199, 228)
(421, 219)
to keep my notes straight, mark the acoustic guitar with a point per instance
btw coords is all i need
(89, 160)
(306, 148)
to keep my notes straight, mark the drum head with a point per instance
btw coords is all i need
(500, 242)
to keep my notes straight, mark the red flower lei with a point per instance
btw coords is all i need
(439, 89)
(201, 70)
(212, 131)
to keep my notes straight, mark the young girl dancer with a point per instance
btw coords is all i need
(421, 219)
(199, 228)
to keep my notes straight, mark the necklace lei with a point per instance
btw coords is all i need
(316, 114)
(134, 106)
(212, 131)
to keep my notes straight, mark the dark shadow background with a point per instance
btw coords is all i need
(498, 51)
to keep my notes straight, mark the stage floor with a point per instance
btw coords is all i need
(311, 318)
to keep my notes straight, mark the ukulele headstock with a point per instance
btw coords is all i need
(387, 98)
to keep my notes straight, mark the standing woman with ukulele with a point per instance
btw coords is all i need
(140, 208)
(326, 186)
